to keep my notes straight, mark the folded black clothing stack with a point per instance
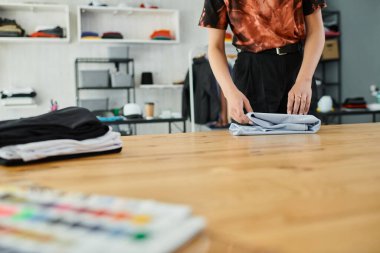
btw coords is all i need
(18, 93)
(9, 28)
(112, 35)
(358, 103)
(66, 133)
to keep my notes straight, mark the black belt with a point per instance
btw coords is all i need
(287, 49)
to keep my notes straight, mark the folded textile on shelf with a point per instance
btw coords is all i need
(18, 92)
(88, 35)
(9, 34)
(56, 32)
(9, 28)
(162, 35)
(112, 35)
(355, 103)
(270, 124)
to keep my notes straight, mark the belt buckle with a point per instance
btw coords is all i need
(278, 51)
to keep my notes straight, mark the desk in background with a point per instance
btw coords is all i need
(289, 193)
(339, 113)
(170, 121)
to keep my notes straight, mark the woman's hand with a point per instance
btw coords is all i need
(236, 102)
(218, 61)
(299, 98)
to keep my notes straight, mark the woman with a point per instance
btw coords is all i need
(274, 71)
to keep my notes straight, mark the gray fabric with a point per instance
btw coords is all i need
(270, 123)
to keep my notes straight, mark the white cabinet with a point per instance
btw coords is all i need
(30, 16)
(135, 24)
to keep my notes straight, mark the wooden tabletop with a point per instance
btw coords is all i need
(289, 193)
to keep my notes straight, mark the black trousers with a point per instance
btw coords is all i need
(265, 79)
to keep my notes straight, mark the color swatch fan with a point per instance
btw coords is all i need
(38, 220)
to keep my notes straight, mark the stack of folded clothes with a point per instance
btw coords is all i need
(48, 32)
(354, 104)
(112, 35)
(18, 96)
(9, 28)
(162, 35)
(90, 36)
(67, 133)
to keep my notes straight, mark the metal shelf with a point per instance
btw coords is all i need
(131, 41)
(331, 84)
(103, 60)
(327, 64)
(105, 88)
(116, 62)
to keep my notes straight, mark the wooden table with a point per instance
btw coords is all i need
(290, 193)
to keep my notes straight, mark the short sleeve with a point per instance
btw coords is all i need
(214, 15)
(309, 6)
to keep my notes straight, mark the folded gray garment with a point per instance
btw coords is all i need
(269, 123)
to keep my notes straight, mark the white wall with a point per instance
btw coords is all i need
(49, 68)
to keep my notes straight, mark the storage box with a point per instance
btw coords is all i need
(94, 78)
(118, 52)
(331, 50)
(100, 104)
(121, 79)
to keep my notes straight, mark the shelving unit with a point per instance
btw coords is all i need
(330, 70)
(130, 69)
(135, 24)
(161, 86)
(324, 65)
(29, 16)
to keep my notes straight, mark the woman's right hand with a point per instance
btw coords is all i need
(236, 102)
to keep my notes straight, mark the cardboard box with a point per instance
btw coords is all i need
(331, 50)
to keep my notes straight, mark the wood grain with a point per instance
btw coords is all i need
(290, 193)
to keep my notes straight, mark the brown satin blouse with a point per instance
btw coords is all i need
(260, 24)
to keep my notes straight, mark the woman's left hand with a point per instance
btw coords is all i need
(299, 98)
